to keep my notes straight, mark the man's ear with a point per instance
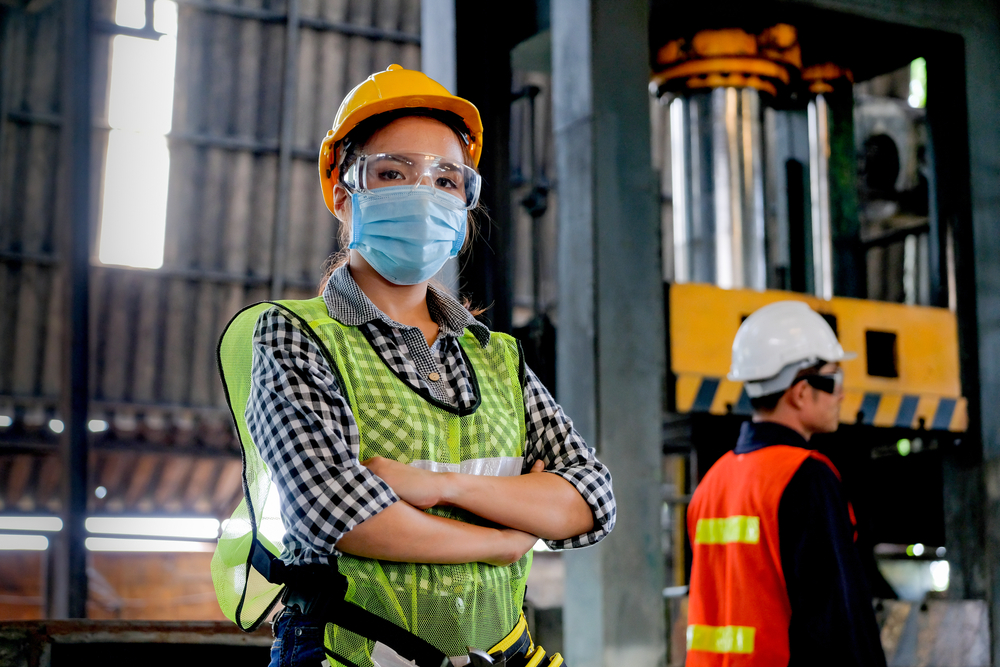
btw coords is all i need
(341, 202)
(796, 394)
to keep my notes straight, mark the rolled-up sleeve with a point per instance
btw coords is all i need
(552, 438)
(305, 431)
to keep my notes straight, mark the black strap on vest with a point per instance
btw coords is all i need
(318, 591)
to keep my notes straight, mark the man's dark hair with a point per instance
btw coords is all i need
(770, 402)
(766, 403)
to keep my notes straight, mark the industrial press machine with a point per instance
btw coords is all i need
(769, 110)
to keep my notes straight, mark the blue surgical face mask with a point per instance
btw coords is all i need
(406, 232)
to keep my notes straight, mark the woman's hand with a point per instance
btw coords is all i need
(538, 503)
(403, 533)
(418, 487)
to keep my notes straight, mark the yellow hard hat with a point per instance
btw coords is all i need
(395, 88)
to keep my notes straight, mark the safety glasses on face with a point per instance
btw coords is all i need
(830, 383)
(380, 170)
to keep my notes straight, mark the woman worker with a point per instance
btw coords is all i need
(411, 448)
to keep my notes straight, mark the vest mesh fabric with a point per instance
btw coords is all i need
(244, 595)
(450, 606)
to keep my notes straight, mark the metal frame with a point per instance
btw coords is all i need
(34, 447)
(70, 585)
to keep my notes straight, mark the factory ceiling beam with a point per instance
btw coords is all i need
(70, 583)
(35, 447)
(611, 327)
(270, 16)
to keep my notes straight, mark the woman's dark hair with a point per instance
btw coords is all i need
(349, 150)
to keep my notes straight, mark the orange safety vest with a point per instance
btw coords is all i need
(738, 610)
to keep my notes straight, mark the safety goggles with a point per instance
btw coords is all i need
(380, 170)
(830, 383)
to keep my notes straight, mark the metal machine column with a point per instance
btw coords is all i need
(718, 188)
(819, 158)
(610, 350)
(717, 165)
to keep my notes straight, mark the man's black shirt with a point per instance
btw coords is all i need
(832, 619)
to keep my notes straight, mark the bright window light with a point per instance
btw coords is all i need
(23, 543)
(124, 544)
(56, 426)
(940, 573)
(131, 13)
(97, 425)
(918, 84)
(6, 420)
(140, 108)
(48, 524)
(270, 524)
(191, 528)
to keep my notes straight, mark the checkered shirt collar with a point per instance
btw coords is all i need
(351, 307)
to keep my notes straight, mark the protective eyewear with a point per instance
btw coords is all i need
(380, 170)
(831, 383)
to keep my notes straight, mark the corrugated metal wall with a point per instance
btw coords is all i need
(246, 121)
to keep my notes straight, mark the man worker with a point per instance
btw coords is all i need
(776, 579)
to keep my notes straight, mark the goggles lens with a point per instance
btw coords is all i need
(831, 383)
(381, 170)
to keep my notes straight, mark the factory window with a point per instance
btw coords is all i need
(139, 113)
(881, 352)
(918, 84)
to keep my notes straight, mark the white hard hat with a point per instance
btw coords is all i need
(778, 340)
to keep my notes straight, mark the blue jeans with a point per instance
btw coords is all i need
(298, 640)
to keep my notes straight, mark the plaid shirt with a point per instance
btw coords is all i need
(306, 433)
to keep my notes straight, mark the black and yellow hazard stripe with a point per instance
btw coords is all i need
(719, 396)
(906, 373)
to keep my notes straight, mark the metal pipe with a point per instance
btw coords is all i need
(819, 186)
(718, 188)
(679, 177)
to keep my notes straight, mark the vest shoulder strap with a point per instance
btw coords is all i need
(245, 592)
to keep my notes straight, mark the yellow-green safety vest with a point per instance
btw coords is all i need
(450, 606)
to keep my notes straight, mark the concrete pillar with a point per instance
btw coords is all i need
(611, 332)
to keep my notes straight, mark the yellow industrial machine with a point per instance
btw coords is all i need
(906, 374)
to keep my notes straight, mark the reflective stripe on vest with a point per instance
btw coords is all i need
(729, 530)
(494, 466)
(727, 639)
